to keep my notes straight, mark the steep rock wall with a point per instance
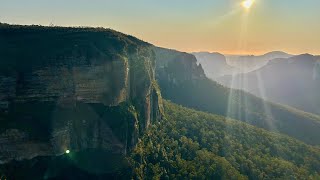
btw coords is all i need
(73, 88)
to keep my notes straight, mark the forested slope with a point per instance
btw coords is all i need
(183, 82)
(195, 145)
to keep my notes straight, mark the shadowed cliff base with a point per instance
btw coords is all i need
(73, 88)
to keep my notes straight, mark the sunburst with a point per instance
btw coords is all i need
(247, 4)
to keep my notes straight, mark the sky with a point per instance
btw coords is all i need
(186, 25)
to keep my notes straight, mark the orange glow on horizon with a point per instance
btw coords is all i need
(255, 53)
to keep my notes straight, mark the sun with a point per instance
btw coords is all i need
(247, 4)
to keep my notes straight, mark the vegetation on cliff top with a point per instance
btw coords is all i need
(188, 144)
(23, 47)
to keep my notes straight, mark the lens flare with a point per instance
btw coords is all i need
(247, 4)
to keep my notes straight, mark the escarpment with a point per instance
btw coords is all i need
(176, 67)
(182, 81)
(73, 89)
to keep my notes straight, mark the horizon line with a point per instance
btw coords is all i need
(227, 53)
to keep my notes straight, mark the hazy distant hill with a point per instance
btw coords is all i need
(76, 102)
(216, 65)
(251, 62)
(183, 82)
(293, 81)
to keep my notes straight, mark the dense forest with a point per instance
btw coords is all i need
(45, 46)
(86, 103)
(187, 144)
(184, 83)
(195, 145)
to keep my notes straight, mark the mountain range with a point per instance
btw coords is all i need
(93, 103)
(216, 65)
(291, 81)
(184, 82)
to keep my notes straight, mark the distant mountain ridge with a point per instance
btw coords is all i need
(216, 65)
(292, 81)
(86, 103)
(185, 83)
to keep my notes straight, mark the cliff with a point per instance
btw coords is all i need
(182, 81)
(214, 64)
(177, 67)
(73, 88)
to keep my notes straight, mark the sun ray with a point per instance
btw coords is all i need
(269, 116)
(247, 4)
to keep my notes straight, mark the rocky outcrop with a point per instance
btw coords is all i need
(169, 61)
(214, 64)
(73, 88)
(182, 81)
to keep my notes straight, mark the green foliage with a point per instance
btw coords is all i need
(195, 145)
(86, 164)
(183, 82)
(187, 145)
(25, 47)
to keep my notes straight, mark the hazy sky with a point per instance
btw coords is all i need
(186, 25)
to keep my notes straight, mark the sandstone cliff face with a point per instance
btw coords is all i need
(73, 88)
(168, 62)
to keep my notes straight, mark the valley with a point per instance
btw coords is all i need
(94, 103)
